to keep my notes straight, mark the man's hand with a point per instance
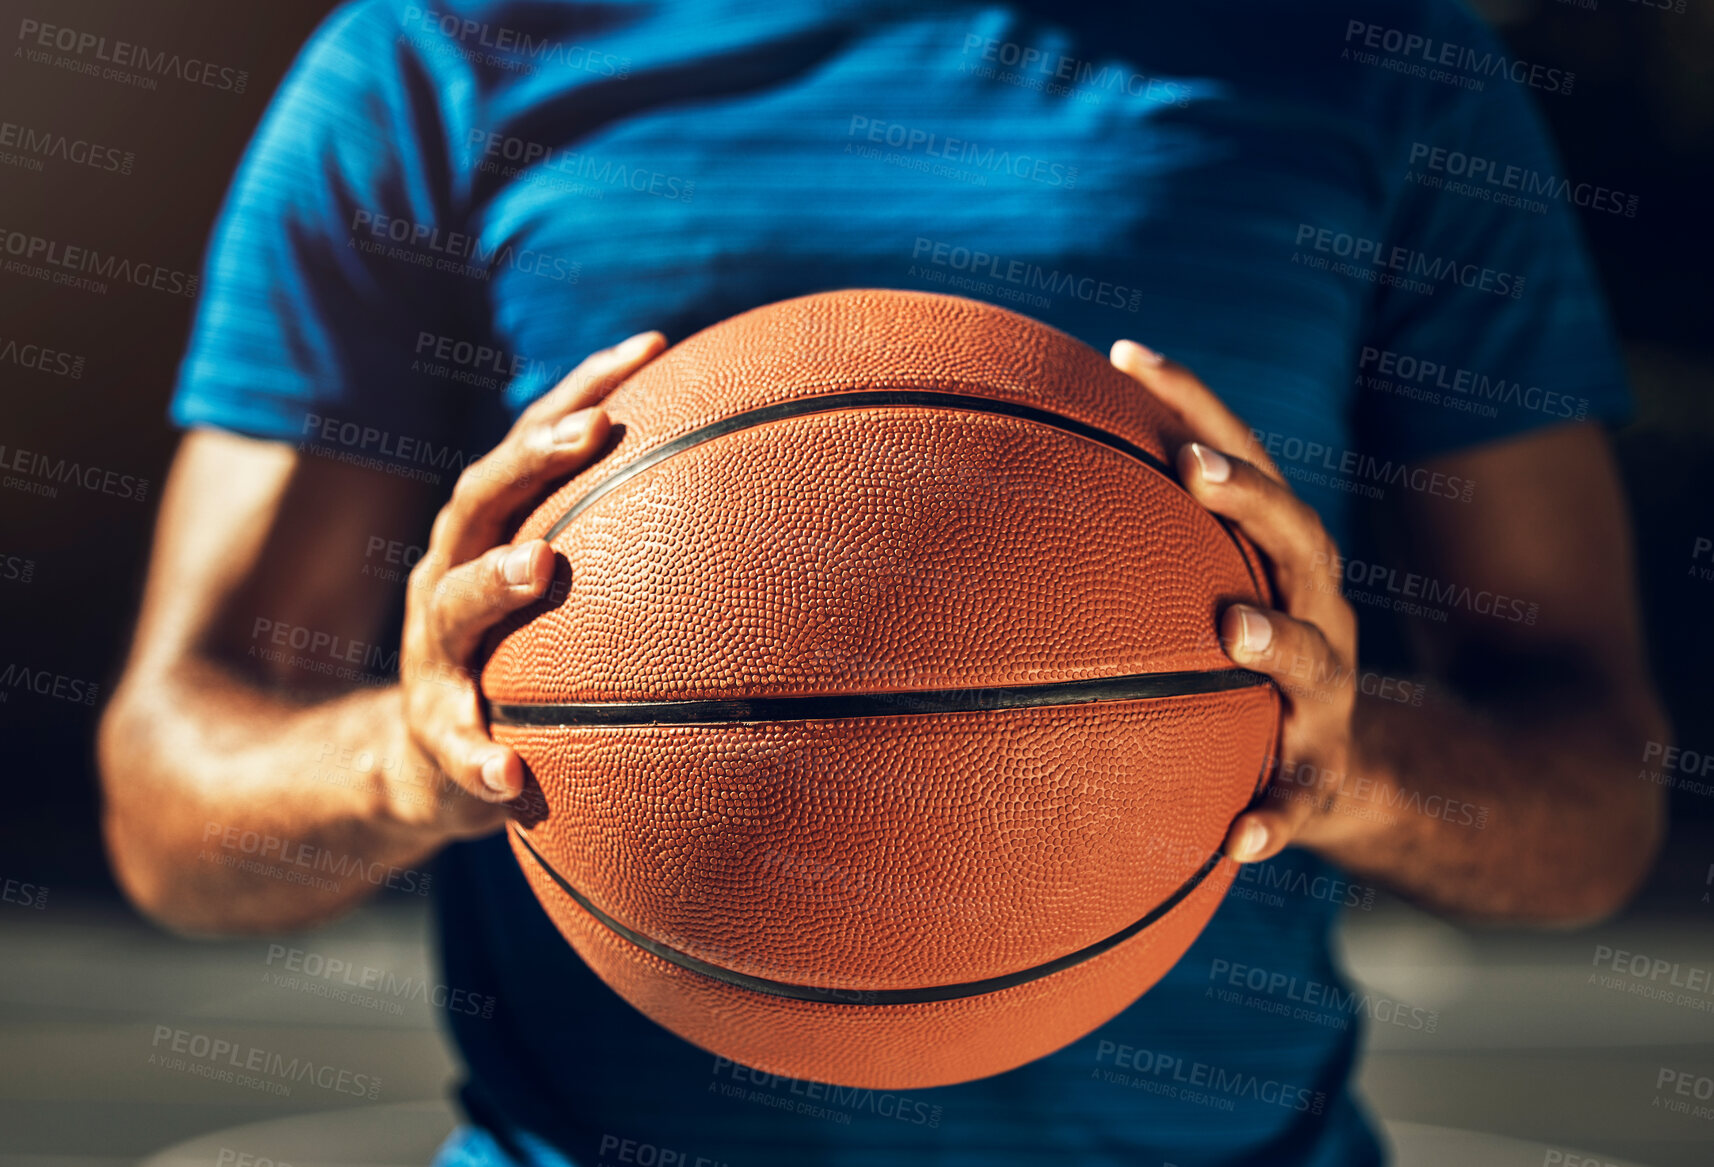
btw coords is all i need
(1309, 648)
(1513, 795)
(467, 580)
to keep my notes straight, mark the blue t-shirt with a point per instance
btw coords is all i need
(1316, 206)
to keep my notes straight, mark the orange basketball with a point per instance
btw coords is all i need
(882, 729)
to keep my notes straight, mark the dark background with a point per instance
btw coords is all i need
(1641, 121)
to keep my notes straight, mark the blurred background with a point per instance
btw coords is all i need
(1533, 1047)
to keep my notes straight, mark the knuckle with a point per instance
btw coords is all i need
(467, 490)
(533, 454)
(489, 573)
(1315, 533)
(591, 368)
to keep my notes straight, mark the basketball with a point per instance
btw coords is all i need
(881, 725)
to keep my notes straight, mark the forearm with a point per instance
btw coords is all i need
(1523, 816)
(229, 808)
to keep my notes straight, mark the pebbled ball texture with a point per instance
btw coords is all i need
(883, 549)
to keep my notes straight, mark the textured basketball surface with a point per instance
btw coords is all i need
(882, 729)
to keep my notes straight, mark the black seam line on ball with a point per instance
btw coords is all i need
(921, 398)
(834, 706)
(874, 996)
(863, 399)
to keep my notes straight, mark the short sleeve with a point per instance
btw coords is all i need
(325, 268)
(1488, 321)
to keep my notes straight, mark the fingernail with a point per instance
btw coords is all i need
(1145, 354)
(494, 773)
(1255, 631)
(516, 566)
(635, 346)
(1252, 842)
(1212, 463)
(572, 428)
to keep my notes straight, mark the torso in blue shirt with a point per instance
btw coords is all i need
(447, 208)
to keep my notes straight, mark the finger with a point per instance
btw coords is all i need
(467, 601)
(1203, 413)
(596, 377)
(1264, 832)
(462, 748)
(554, 437)
(1311, 673)
(1301, 555)
(492, 489)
